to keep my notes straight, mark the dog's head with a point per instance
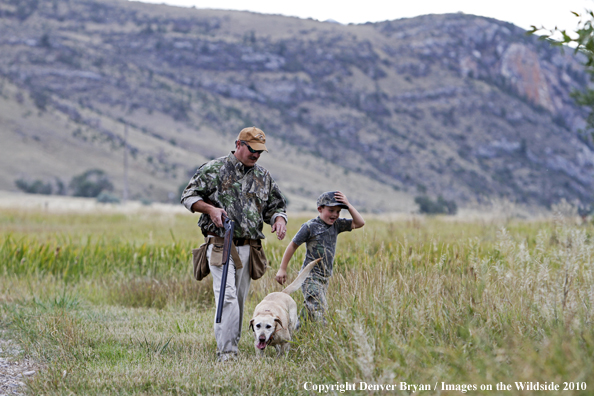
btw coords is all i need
(264, 327)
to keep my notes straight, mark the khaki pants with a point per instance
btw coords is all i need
(227, 332)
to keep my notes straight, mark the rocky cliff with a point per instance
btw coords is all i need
(456, 105)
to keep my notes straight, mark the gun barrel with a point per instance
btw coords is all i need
(229, 230)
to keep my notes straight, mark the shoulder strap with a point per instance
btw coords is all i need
(235, 256)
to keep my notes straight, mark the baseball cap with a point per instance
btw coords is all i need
(254, 137)
(327, 199)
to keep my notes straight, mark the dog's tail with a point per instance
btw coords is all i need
(296, 284)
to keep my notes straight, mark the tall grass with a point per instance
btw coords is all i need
(422, 301)
(462, 312)
(72, 261)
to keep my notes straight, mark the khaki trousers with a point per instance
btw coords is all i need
(228, 332)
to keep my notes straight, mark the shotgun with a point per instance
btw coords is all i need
(227, 244)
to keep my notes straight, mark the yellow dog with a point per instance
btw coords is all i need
(275, 318)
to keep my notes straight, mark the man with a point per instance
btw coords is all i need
(235, 187)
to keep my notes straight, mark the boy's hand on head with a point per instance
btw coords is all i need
(281, 276)
(340, 197)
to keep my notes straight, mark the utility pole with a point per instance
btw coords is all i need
(125, 197)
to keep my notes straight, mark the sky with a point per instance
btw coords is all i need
(523, 13)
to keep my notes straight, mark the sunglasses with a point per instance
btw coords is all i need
(251, 149)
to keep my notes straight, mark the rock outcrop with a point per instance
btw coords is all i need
(456, 105)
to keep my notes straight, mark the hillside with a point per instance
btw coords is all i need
(455, 105)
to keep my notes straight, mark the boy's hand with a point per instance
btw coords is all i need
(281, 276)
(358, 221)
(340, 197)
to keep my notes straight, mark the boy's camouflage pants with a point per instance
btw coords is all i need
(314, 290)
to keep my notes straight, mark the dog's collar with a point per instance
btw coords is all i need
(273, 334)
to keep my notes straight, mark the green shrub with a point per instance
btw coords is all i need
(105, 197)
(440, 206)
(90, 183)
(34, 187)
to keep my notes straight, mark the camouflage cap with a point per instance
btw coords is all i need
(254, 137)
(328, 199)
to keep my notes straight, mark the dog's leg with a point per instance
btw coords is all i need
(282, 349)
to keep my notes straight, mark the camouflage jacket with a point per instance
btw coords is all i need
(249, 196)
(320, 239)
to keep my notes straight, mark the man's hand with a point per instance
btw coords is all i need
(280, 227)
(216, 215)
(281, 276)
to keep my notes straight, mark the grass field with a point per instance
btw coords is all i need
(107, 305)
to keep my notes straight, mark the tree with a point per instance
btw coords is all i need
(34, 187)
(90, 183)
(440, 206)
(582, 41)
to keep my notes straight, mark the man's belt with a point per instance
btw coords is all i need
(239, 241)
(211, 238)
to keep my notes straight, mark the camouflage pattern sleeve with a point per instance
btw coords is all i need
(204, 182)
(275, 205)
(302, 235)
(343, 225)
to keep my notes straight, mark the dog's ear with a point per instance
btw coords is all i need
(277, 320)
(252, 325)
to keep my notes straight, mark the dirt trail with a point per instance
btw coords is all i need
(14, 372)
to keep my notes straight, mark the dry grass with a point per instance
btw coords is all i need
(420, 300)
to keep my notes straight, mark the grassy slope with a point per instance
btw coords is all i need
(46, 145)
(41, 145)
(439, 122)
(106, 302)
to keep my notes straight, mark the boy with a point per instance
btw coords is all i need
(320, 235)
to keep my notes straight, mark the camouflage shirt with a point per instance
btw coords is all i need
(249, 196)
(320, 239)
